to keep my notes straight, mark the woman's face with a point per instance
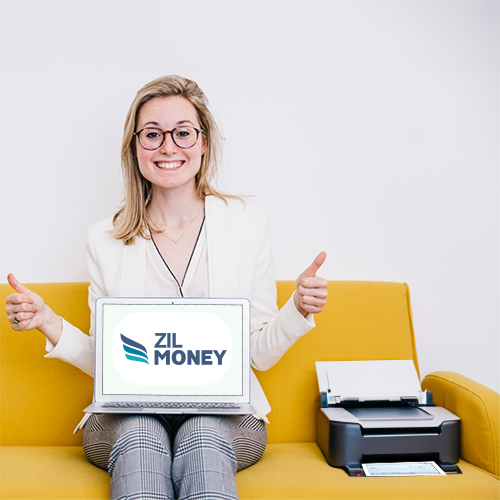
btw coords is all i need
(169, 167)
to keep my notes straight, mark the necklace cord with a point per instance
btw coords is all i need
(180, 285)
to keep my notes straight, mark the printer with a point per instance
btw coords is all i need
(376, 411)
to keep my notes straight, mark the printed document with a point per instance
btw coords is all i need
(403, 469)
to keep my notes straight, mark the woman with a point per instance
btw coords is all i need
(176, 235)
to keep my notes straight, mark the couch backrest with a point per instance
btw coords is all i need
(362, 321)
(41, 400)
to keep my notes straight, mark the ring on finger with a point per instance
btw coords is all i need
(16, 321)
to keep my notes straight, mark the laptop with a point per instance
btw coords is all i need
(172, 355)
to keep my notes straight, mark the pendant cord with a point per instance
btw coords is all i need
(179, 285)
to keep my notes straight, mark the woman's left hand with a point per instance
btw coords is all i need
(312, 292)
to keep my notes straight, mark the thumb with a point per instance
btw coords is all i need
(310, 272)
(18, 287)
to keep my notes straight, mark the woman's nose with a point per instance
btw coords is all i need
(168, 147)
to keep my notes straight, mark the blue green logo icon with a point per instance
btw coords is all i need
(134, 351)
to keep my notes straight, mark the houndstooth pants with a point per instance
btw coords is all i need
(173, 456)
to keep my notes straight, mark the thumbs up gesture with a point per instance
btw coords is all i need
(26, 311)
(311, 293)
(24, 308)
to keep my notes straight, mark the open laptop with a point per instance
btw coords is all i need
(172, 355)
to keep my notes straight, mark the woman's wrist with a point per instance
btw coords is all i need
(52, 326)
(296, 302)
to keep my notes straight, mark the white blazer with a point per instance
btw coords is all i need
(239, 265)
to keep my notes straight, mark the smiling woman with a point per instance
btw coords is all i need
(146, 111)
(175, 235)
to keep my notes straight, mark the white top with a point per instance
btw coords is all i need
(160, 281)
(239, 264)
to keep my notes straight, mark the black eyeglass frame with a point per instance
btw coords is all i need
(165, 132)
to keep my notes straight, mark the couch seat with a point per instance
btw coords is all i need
(286, 471)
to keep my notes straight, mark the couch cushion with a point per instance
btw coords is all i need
(50, 472)
(299, 470)
(361, 321)
(286, 471)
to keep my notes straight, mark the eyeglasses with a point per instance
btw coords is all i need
(153, 138)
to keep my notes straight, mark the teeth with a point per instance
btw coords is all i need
(169, 165)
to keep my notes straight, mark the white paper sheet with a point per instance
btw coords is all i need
(403, 469)
(383, 379)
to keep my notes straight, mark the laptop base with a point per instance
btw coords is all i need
(173, 409)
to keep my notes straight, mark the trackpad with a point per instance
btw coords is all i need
(176, 412)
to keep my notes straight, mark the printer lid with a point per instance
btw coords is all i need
(364, 381)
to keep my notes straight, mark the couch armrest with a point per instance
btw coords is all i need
(478, 408)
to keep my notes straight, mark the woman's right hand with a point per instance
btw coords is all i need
(26, 311)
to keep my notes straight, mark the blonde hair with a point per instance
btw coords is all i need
(131, 219)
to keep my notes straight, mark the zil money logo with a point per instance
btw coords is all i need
(175, 348)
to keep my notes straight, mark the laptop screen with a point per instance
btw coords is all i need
(171, 350)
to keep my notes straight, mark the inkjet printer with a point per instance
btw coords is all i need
(375, 411)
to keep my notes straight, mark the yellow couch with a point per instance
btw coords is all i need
(42, 400)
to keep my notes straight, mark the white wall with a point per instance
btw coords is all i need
(369, 129)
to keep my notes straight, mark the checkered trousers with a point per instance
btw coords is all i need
(173, 456)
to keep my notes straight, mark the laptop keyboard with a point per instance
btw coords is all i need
(173, 406)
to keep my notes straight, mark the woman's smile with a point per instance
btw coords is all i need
(169, 165)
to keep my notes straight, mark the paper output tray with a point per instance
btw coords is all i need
(390, 414)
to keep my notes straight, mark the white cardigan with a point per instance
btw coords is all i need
(239, 265)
